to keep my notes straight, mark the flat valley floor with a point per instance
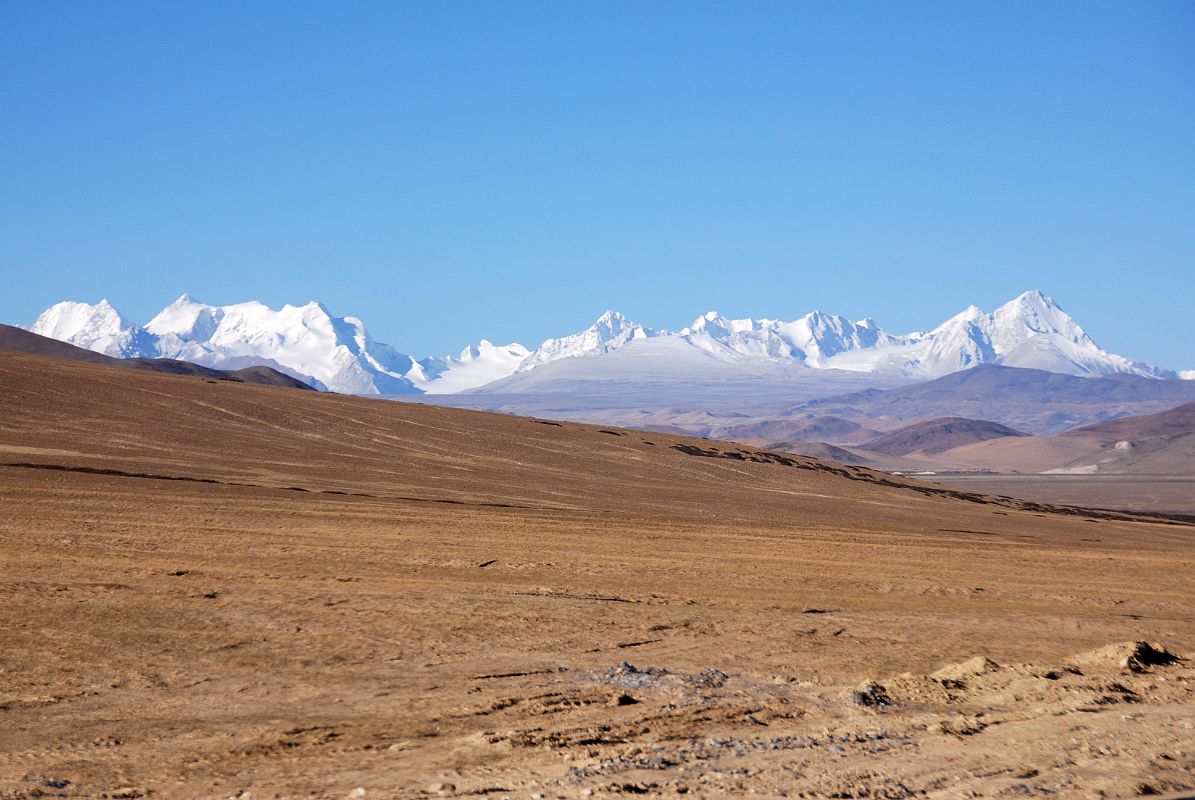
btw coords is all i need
(210, 589)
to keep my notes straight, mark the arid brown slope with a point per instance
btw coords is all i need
(216, 588)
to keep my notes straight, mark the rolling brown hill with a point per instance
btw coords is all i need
(23, 341)
(938, 435)
(1179, 421)
(213, 589)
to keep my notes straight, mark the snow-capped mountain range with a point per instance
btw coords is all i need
(337, 353)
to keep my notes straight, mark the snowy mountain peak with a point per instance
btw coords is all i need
(968, 316)
(1037, 310)
(609, 332)
(717, 325)
(186, 317)
(612, 325)
(1031, 330)
(315, 307)
(98, 327)
(1034, 313)
(69, 318)
(485, 349)
(1035, 297)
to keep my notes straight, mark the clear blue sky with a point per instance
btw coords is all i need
(451, 171)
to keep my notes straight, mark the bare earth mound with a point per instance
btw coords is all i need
(213, 589)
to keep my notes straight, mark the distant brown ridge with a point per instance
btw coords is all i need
(938, 435)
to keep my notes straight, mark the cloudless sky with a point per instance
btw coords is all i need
(449, 171)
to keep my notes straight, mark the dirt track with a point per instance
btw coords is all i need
(333, 593)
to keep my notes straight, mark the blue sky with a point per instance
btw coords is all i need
(450, 171)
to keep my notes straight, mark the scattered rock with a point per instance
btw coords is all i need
(709, 679)
(870, 695)
(441, 788)
(629, 676)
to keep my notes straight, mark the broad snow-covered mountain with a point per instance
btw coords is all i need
(338, 353)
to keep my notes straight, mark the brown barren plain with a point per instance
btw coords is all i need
(213, 589)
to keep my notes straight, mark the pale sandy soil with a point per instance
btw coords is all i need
(336, 597)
